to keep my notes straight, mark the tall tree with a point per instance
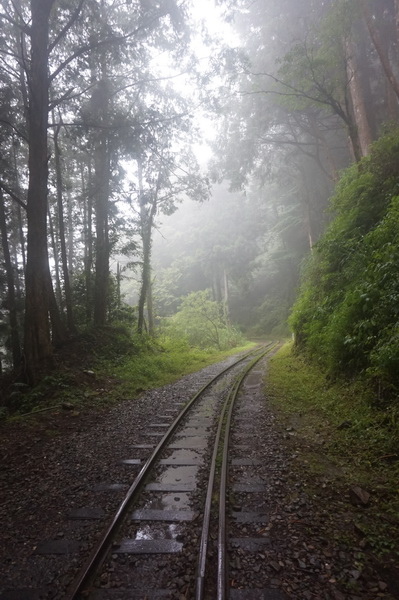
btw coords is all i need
(37, 340)
(11, 291)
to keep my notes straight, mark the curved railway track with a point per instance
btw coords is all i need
(172, 523)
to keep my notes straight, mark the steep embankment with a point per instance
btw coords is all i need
(347, 314)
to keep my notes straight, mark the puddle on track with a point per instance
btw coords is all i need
(161, 531)
(177, 501)
(181, 474)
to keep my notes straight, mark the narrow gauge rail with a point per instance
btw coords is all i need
(196, 424)
(208, 587)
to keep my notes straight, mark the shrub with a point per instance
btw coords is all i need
(347, 312)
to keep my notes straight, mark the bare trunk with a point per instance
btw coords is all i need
(145, 282)
(61, 229)
(226, 298)
(378, 44)
(56, 258)
(21, 238)
(392, 103)
(19, 213)
(102, 191)
(306, 206)
(331, 168)
(397, 20)
(69, 235)
(88, 245)
(15, 257)
(11, 296)
(150, 309)
(364, 134)
(37, 342)
(58, 331)
(118, 286)
(101, 283)
(146, 223)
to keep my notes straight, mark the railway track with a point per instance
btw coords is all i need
(174, 530)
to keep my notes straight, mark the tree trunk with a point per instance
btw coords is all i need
(145, 280)
(226, 298)
(378, 44)
(69, 239)
(102, 190)
(88, 241)
(397, 20)
(18, 209)
(363, 133)
(101, 283)
(118, 286)
(13, 244)
(11, 296)
(37, 342)
(61, 229)
(146, 224)
(150, 309)
(58, 290)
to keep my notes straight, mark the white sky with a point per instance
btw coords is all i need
(206, 14)
(211, 15)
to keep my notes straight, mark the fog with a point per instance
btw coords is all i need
(151, 150)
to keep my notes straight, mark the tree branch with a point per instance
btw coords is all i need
(12, 194)
(66, 27)
(328, 100)
(105, 42)
(17, 131)
(25, 28)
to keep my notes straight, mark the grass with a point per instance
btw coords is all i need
(102, 367)
(343, 434)
(163, 364)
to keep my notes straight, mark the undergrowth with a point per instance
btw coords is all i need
(104, 366)
(342, 435)
(164, 362)
(346, 315)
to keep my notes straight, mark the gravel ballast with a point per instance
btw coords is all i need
(66, 460)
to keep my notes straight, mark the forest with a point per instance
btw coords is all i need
(111, 217)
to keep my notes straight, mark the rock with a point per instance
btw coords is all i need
(355, 574)
(275, 565)
(358, 496)
(345, 425)
(68, 406)
(382, 586)
(302, 565)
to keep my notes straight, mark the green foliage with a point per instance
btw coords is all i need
(347, 314)
(163, 361)
(106, 365)
(202, 322)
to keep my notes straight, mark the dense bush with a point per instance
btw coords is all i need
(347, 313)
(203, 323)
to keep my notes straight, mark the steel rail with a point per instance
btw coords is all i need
(98, 555)
(203, 550)
(221, 562)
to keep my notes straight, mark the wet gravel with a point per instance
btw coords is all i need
(310, 549)
(63, 462)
